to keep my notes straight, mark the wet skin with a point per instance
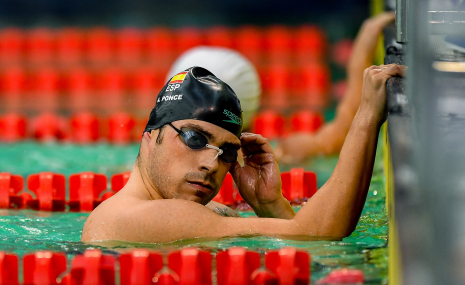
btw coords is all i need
(165, 197)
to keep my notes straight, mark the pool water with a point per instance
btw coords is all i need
(24, 231)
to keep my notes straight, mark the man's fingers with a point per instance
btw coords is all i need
(259, 159)
(394, 70)
(252, 143)
(385, 71)
(372, 70)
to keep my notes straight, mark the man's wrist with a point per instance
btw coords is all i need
(279, 208)
(369, 114)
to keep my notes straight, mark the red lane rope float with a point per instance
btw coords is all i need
(310, 44)
(112, 89)
(12, 128)
(313, 86)
(11, 45)
(70, 45)
(79, 84)
(86, 190)
(128, 45)
(146, 82)
(193, 266)
(8, 269)
(187, 38)
(123, 128)
(290, 265)
(139, 267)
(160, 46)
(269, 124)
(276, 81)
(236, 265)
(43, 267)
(49, 127)
(40, 44)
(278, 43)
(249, 42)
(14, 86)
(45, 91)
(306, 121)
(49, 189)
(92, 267)
(84, 128)
(219, 37)
(10, 188)
(298, 185)
(100, 45)
(119, 180)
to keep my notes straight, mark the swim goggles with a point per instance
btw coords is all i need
(196, 140)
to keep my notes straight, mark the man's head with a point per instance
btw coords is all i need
(196, 93)
(192, 136)
(232, 68)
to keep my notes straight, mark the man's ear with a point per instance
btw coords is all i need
(148, 135)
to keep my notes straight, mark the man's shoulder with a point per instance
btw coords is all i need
(147, 220)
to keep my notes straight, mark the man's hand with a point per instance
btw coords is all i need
(259, 180)
(373, 102)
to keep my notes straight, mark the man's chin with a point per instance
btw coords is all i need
(197, 198)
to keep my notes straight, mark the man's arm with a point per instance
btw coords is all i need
(335, 209)
(332, 212)
(330, 138)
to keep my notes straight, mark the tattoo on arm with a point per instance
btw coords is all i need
(226, 212)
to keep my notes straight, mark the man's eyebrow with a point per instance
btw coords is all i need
(211, 136)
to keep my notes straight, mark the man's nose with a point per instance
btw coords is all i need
(209, 160)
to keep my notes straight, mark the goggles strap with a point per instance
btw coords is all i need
(220, 151)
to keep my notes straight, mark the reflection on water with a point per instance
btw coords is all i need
(24, 231)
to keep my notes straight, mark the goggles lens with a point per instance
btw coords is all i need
(196, 140)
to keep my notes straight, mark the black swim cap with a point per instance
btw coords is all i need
(197, 94)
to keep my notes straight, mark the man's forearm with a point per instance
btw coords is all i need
(335, 209)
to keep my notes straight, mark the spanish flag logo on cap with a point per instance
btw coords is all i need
(178, 78)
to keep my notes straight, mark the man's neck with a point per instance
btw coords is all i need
(141, 184)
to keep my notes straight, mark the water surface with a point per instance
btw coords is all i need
(24, 231)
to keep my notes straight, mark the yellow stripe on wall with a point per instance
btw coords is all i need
(393, 239)
(395, 276)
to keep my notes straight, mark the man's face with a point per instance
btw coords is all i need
(179, 172)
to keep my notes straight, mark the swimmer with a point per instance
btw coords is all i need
(330, 137)
(190, 143)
